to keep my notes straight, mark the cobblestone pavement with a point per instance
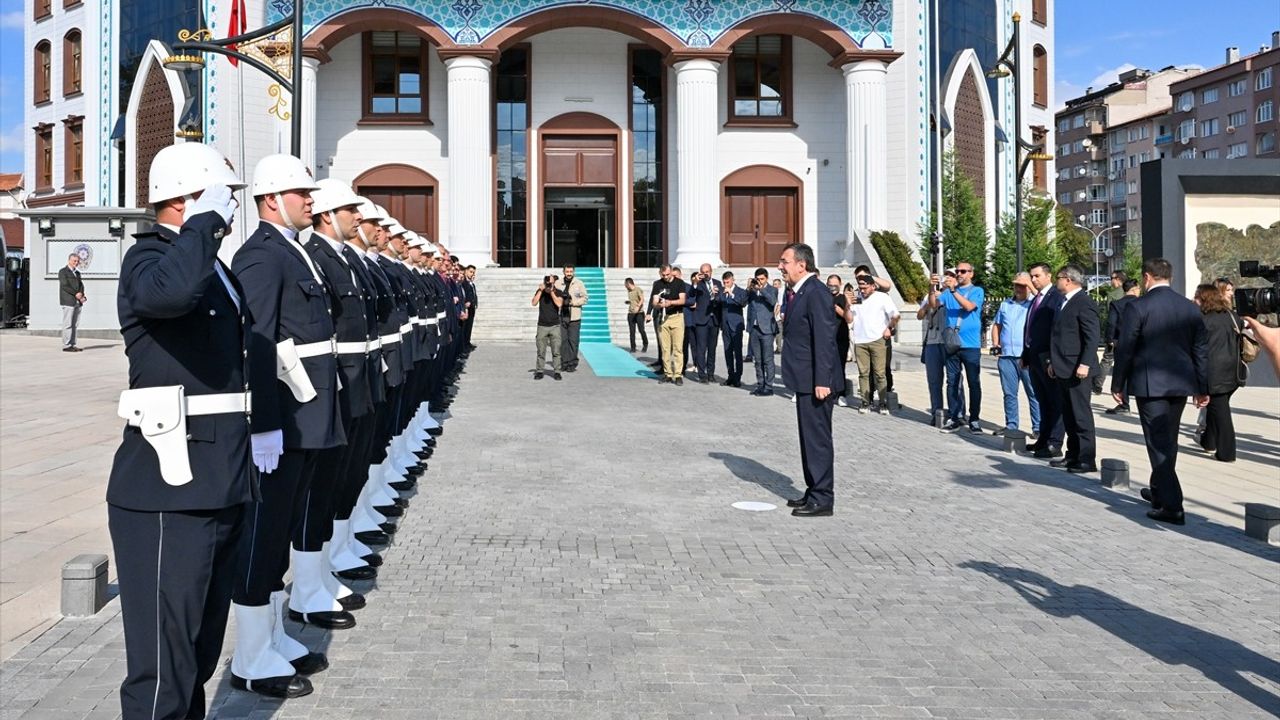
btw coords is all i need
(572, 553)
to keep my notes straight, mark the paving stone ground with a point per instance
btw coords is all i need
(572, 553)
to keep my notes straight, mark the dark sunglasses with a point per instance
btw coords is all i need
(964, 272)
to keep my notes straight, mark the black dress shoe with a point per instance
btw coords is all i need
(415, 471)
(812, 510)
(1047, 452)
(766, 392)
(389, 510)
(1062, 462)
(679, 382)
(373, 537)
(310, 664)
(400, 502)
(329, 620)
(388, 528)
(726, 383)
(1167, 516)
(364, 572)
(402, 485)
(354, 601)
(1081, 468)
(797, 502)
(374, 559)
(291, 686)
(423, 454)
(435, 431)
(1146, 495)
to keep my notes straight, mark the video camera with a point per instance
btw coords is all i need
(1252, 302)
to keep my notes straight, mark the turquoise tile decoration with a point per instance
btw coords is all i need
(697, 22)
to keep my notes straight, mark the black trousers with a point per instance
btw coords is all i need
(705, 340)
(269, 525)
(762, 350)
(384, 416)
(570, 332)
(1219, 431)
(635, 323)
(1161, 417)
(733, 353)
(1104, 368)
(657, 325)
(888, 365)
(1051, 427)
(355, 466)
(176, 571)
(817, 450)
(1077, 420)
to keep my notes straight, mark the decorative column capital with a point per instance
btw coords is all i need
(865, 66)
(696, 65)
(467, 58)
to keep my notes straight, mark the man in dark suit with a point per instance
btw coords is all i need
(71, 298)
(1115, 309)
(811, 368)
(734, 300)
(1162, 356)
(286, 293)
(1035, 356)
(472, 304)
(705, 308)
(762, 326)
(179, 486)
(1073, 359)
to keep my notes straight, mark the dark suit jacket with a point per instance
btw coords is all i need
(1114, 310)
(351, 324)
(390, 318)
(287, 302)
(1039, 328)
(406, 306)
(732, 306)
(1074, 338)
(809, 355)
(760, 311)
(181, 327)
(69, 283)
(703, 307)
(1163, 347)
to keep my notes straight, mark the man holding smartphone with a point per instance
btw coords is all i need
(1007, 331)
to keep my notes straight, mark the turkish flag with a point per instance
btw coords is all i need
(238, 26)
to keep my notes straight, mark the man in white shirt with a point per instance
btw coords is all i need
(873, 323)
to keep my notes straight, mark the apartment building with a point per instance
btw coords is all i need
(1128, 146)
(1228, 111)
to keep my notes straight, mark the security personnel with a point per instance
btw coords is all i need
(177, 495)
(286, 295)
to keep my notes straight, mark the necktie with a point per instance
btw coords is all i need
(1026, 330)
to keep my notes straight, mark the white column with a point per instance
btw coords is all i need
(866, 147)
(310, 68)
(698, 207)
(470, 184)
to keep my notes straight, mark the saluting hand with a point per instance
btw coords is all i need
(215, 198)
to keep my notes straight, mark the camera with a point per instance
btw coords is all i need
(1252, 302)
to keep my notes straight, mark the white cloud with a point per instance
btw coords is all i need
(1064, 91)
(1107, 77)
(12, 20)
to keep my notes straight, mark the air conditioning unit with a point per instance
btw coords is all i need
(1231, 128)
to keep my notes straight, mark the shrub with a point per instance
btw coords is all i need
(903, 270)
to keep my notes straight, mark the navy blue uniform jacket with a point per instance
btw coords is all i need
(809, 355)
(1163, 347)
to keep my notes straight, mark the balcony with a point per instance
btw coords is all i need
(1164, 139)
(1095, 127)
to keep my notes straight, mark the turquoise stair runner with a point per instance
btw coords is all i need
(597, 348)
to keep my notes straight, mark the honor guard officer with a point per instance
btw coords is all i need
(181, 479)
(286, 296)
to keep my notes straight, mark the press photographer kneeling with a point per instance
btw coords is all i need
(548, 299)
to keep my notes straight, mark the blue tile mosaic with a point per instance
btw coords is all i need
(698, 23)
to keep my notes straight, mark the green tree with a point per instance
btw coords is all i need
(1075, 243)
(1133, 256)
(964, 224)
(1036, 244)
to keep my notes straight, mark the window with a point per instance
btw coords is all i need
(1188, 154)
(647, 143)
(1077, 122)
(1064, 198)
(1235, 88)
(1186, 101)
(1133, 187)
(1117, 140)
(1064, 150)
(1237, 150)
(1266, 143)
(1098, 216)
(43, 8)
(44, 72)
(1040, 12)
(1262, 80)
(1120, 216)
(760, 79)
(1134, 212)
(1211, 154)
(1077, 146)
(73, 151)
(1117, 165)
(1097, 192)
(44, 157)
(1209, 96)
(395, 77)
(1143, 157)
(1040, 71)
(1264, 112)
(1186, 129)
(71, 63)
(1064, 174)
(511, 134)
(1209, 127)
(1133, 161)
(1064, 125)
(1238, 118)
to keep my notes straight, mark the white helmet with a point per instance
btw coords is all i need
(280, 173)
(186, 168)
(396, 229)
(413, 239)
(371, 212)
(387, 220)
(332, 194)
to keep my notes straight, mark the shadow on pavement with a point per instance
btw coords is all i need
(752, 471)
(1224, 661)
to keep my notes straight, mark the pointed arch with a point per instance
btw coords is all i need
(151, 118)
(968, 110)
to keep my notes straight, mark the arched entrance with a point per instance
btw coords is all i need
(409, 194)
(760, 214)
(579, 190)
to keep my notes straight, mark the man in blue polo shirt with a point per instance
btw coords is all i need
(963, 303)
(1007, 331)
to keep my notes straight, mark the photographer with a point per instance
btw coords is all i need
(667, 301)
(762, 328)
(635, 314)
(548, 299)
(574, 294)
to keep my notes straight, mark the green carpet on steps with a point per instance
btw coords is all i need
(608, 360)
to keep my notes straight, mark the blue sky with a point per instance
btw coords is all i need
(1095, 40)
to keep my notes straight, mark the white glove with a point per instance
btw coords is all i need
(267, 449)
(215, 198)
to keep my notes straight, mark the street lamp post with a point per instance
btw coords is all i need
(1097, 241)
(1008, 64)
(190, 44)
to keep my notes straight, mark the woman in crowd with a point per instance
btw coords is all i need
(1219, 436)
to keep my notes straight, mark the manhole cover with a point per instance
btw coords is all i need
(752, 506)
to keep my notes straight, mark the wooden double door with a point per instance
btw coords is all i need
(758, 223)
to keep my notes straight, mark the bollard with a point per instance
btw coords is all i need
(1262, 522)
(1115, 474)
(891, 401)
(84, 585)
(1015, 441)
(939, 418)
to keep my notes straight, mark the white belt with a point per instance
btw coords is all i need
(406, 328)
(391, 339)
(441, 315)
(430, 321)
(415, 321)
(316, 349)
(219, 403)
(352, 348)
